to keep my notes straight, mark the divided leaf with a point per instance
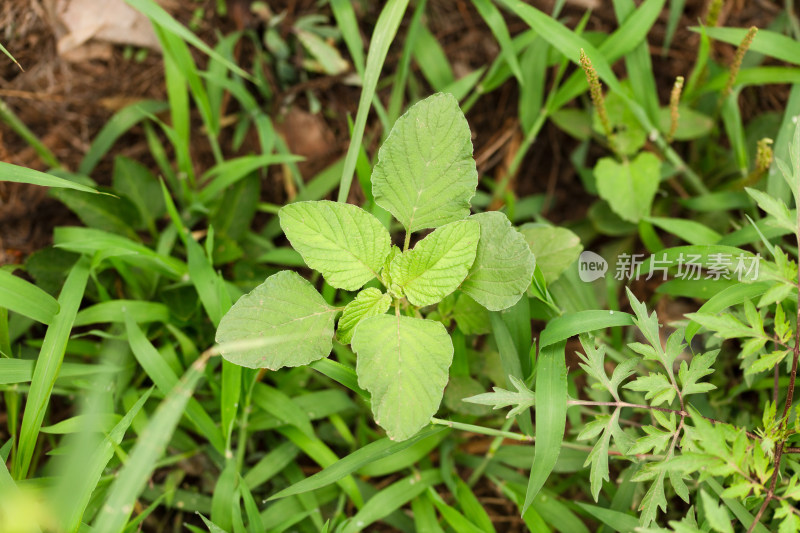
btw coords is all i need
(437, 264)
(287, 320)
(403, 362)
(504, 263)
(369, 302)
(629, 187)
(425, 175)
(342, 241)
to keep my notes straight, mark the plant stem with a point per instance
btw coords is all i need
(787, 406)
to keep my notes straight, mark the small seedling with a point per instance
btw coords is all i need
(425, 177)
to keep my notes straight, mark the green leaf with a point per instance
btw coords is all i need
(555, 249)
(775, 207)
(26, 299)
(629, 187)
(141, 187)
(369, 302)
(499, 398)
(696, 370)
(717, 515)
(691, 124)
(403, 362)
(117, 215)
(425, 175)
(9, 172)
(342, 241)
(437, 264)
(766, 362)
(366, 455)
(551, 416)
(472, 318)
(658, 388)
(504, 263)
(282, 322)
(565, 326)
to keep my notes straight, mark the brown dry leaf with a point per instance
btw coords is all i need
(110, 21)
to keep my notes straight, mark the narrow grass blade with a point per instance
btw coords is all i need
(159, 16)
(739, 511)
(345, 17)
(118, 310)
(563, 327)
(81, 479)
(551, 416)
(149, 448)
(11, 57)
(494, 19)
(457, 521)
(47, 365)
(165, 380)
(392, 498)
(638, 63)
(325, 457)
(27, 299)
(733, 295)
(401, 71)
(511, 361)
(382, 37)
(9, 172)
(688, 230)
(616, 520)
(776, 185)
(368, 454)
(121, 122)
(675, 11)
(765, 42)
(19, 127)
(270, 465)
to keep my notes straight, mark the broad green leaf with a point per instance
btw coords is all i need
(425, 175)
(342, 241)
(282, 322)
(472, 318)
(629, 187)
(437, 264)
(403, 362)
(554, 248)
(551, 416)
(369, 302)
(504, 263)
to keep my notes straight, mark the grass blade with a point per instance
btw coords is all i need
(551, 416)
(765, 42)
(82, 477)
(148, 449)
(122, 121)
(392, 498)
(358, 459)
(165, 380)
(492, 17)
(382, 37)
(27, 299)
(9, 172)
(563, 327)
(159, 16)
(47, 365)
